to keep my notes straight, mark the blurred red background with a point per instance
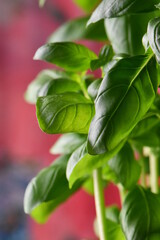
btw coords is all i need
(23, 28)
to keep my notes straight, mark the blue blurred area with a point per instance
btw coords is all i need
(14, 178)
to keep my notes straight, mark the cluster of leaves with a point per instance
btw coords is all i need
(102, 120)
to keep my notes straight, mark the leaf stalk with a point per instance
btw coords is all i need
(99, 203)
(154, 173)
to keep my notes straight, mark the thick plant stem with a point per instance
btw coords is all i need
(99, 203)
(154, 173)
(122, 193)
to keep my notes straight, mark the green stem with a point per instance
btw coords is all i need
(83, 85)
(154, 174)
(99, 203)
(122, 193)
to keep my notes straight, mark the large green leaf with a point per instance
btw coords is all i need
(150, 120)
(126, 168)
(125, 95)
(67, 143)
(146, 132)
(76, 30)
(130, 30)
(49, 82)
(49, 188)
(114, 230)
(112, 213)
(82, 164)
(153, 33)
(63, 113)
(87, 5)
(150, 138)
(140, 216)
(68, 55)
(114, 8)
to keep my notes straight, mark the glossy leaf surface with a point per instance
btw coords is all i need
(149, 139)
(125, 167)
(63, 113)
(82, 164)
(158, 6)
(112, 213)
(49, 82)
(125, 95)
(153, 33)
(88, 186)
(146, 132)
(76, 29)
(67, 143)
(126, 28)
(114, 8)
(140, 216)
(150, 120)
(50, 185)
(68, 55)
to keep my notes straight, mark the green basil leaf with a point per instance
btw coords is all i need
(114, 8)
(43, 211)
(76, 29)
(126, 28)
(50, 185)
(68, 55)
(93, 88)
(67, 143)
(88, 5)
(155, 236)
(125, 95)
(82, 164)
(140, 216)
(105, 56)
(153, 33)
(114, 230)
(156, 104)
(150, 120)
(126, 168)
(112, 213)
(47, 83)
(109, 175)
(88, 186)
(63, 113)
(148, 139)
(158, 6)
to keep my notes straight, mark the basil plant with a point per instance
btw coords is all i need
(110, 124)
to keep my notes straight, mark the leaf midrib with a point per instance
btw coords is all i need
(66, 106)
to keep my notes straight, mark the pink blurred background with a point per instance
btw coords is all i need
(23, 28)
